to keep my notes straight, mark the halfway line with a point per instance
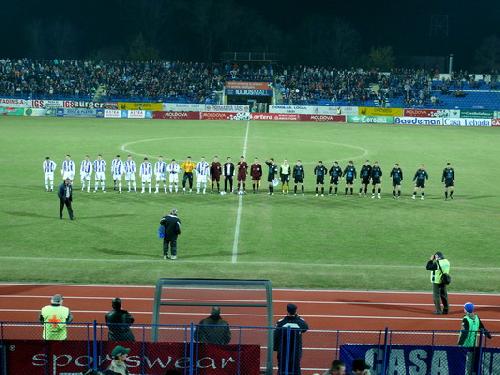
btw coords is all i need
(236, 240)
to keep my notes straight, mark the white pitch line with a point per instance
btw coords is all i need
(234, 257)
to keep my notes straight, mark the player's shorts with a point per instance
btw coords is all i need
(298, 180)
(49, 176)
(100, 176)
(349, 181)
(201, 178)
(396, 183)
(256, 178)
(365, 180)
(160, 177)
(70, 175)
(117, 177)
(285, 178)
(334, 180)
(173, 178)
(146, 178)
(242, 177)
(420, 183)
(270, 178)
(216, 177)
(130, 176)
(375, 181)
(449, 183)
(320, 180)
(85, 176)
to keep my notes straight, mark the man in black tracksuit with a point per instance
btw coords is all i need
(118, 322)
(172, 225)
(214, 329)
(288, 341)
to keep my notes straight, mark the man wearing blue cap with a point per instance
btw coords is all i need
(439, 265)
(471, 325)
(288, 341)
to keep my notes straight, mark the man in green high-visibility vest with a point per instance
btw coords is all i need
(54, 318)
(471, 325)
(438, 265)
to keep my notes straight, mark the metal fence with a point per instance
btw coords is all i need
(180, 349)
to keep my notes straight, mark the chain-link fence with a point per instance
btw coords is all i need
(242, 350)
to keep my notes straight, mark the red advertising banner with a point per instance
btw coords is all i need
(72, 357)
(216, 115)
(241, 85)
(323, 118)
(276, 116)
(161, 115)
(415, 112)
(495, 122)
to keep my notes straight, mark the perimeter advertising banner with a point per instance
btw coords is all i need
(415, 112)
(441, 121)
(80, 112)
(161, 115)
(370, 119)
(183, 107)
(421, 360)
(141, 106)
(14, 103)
(42, 103)
(11, 111)
(314, 110)
(226, 108)
(275, 117)
(72, 358)
(380, 111)
(495, 122)
(323, 118)
(242, 88)
(477, 113)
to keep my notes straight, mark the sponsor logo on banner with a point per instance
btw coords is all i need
(137, 113)
(85, 104)
(380, 111)
(275, 117)
(112, 113)
(42, 103)
(323, 118)
(248, 85)
(314, 110)
(495, 122)
(370, 119)
(162, 115)
(141, 106)
(441, 121)
(224, 116)
(14, 103)
(58, 358)
(476, 113)
(183, 107)
(466, 122)
(227, 108)
(11, 111)
(77, 112)
(245, 92)
(415, 112)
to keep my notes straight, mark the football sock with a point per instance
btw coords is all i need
(317, 191)
(399, 193)
(322, 190)
(351, 190)
(330, 191)
(335, 190)
(346, 190)
(394, 192)
(295, 189)
(451, 193)
(378, 190)
(446, 194)
(302, 188)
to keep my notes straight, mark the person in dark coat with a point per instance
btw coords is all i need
(172, 225)
(65, 194)
(288, 341)
(118, 322)
(214, 329)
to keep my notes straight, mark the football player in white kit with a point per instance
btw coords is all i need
(173, 170)
(146, 172)
(85, 173)
(68, 168)
(160, 174)
(100, 173)
(49, 166)
(130, 170)
(202, 173)
(117, 172)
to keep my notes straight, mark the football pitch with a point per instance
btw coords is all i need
(339, 241)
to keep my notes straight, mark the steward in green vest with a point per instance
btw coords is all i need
(54, 318)
(439, 265)
(471, 325)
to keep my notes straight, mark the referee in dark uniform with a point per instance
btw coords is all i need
(65, 194)
(172, 225)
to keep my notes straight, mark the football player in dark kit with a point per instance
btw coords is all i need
(349, 175)
(215, 173)
(419, 178)
(320, 172)
(256, 173)
(365, 174)
(376, 176)
(228, 174)
(288, 341)
(397, 177)
(242, 175)
(273, 170)
(449, 181)
(298, 177)
(335, 176)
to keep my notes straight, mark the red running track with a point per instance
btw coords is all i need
(326, 311)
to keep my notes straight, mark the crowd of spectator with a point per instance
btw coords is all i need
(197, 82)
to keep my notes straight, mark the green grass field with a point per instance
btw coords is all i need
(296, 241)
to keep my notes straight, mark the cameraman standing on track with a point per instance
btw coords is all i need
(438, 266)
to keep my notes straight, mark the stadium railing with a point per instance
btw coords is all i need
(22, 351)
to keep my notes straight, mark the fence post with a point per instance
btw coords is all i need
(94, 346)
(384, 362)
(191, 351)
(479, 369)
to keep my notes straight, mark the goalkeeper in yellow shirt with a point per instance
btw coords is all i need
(188, 166)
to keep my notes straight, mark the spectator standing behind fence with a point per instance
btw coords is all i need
(118, 322)
(213, 329)
(54, 318)
(288, 341)
(118, 365)
(337, 368)
(438, 265)
(471, 325)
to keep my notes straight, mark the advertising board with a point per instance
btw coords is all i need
(11, 111)
(370, 119)
(226, 108)
(441, 121)
(495, 122)
(275, 117)
(314, 109)
(14, 103)
(43, 103)
(323, 118)
(476, 113)
(380, 111)
(183, 107)
(162, 115)
(115, 113)
(140, 106)
(224, 116)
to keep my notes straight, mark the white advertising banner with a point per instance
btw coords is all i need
(112, 113)
(14, 103)
(314, 110)
(179, 107)
(42, 103)
(227, 108)
(137, 113)
(441, 121)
